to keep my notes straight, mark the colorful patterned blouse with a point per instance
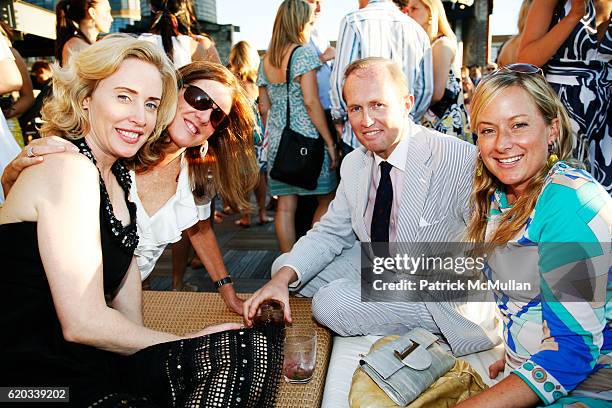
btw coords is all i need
(555, 345)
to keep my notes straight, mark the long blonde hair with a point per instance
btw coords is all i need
(550, 107)
(64, 114)
(291, 18)
(439, 23)
(522, 17)
(244, 61)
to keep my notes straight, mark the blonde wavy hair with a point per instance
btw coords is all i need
(439, 22)
(550, 107)
(291, 18)
(64, 115)
(244, 61)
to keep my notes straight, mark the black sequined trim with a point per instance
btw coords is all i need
(127, 235)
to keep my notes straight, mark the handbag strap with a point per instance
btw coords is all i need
(287, 76)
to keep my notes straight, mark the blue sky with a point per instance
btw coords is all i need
(255, 17)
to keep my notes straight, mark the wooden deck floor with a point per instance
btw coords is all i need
(248, 254)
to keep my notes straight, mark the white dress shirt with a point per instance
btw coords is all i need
(381, 30)
(397, 159)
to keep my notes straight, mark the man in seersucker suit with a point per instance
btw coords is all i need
(405, 184)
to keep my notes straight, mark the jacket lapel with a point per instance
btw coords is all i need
(364, 179)
(416, 187)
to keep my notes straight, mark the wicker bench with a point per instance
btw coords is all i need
(184, 312)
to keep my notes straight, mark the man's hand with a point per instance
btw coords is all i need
(38, 148)
(328, 55)
(277, 289)
(496, 367)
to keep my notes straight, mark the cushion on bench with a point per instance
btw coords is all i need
(185, 312)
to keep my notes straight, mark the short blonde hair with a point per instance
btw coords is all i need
(291, 18)
(392, 67)
(550, 107)
(64, 114)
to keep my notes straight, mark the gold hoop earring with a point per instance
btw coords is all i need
(479, 166)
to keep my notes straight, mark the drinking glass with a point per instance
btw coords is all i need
(300, 354)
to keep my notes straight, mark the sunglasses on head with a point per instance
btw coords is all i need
(200, 100)
(520, 68)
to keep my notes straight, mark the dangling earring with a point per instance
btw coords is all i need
(203, 150)
(552, 156)
(478, 166)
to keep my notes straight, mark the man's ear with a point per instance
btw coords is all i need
(92, 13)
(408, 101)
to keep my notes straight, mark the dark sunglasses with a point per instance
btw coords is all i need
(200, 100)
(520, 68)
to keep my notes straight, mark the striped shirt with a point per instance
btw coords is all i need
(381, 30)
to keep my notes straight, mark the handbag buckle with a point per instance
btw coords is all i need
(414, 356)
(304, 151)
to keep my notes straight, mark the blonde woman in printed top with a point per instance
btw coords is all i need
(546, 220)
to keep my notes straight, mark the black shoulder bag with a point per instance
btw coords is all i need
(299, 158)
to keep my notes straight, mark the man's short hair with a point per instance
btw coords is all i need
(401, 3)
(364, 64)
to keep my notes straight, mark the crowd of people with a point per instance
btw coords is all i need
(141, 133)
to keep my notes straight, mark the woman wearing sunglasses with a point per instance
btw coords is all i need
(210, 135)
(548, 224)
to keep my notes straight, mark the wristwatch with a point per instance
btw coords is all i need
(223, 281)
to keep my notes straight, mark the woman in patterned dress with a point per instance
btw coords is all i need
(548, 222)
(446, 113)
(291, 31)
(572, 41)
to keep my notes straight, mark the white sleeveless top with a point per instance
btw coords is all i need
(181, 47)
(166, 225)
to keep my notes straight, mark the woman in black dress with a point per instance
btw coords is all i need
(71, 289)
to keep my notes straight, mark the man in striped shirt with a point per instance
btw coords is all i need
(380, 29)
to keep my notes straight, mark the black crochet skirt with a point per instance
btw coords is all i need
(237, 368)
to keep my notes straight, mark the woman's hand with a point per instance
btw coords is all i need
(215, 329)
(32, 154)
(578, 9)
(233, 302)
(333, 156)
